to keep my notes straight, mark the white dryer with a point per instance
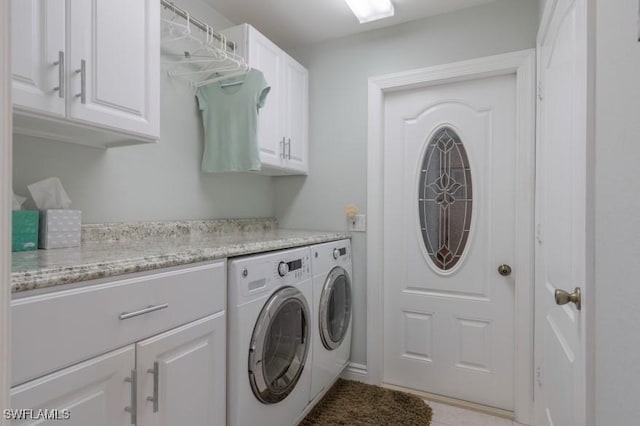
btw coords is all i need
(332, 303)
(269, 338)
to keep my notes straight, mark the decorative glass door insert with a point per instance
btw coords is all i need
(445, 199)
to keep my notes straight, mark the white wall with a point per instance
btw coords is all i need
(541, 6)
(148, 182)
(617, 217)
(338, 73)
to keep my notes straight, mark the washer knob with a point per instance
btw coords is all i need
(283, 269)
(336, 253)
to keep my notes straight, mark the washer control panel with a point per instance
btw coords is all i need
(338, 252)
(295, 268)
(283, 269)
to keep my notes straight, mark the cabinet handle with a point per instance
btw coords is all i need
(150, 308)
(289, 153)
(156, 376)
(83, 81)
(282, 145)
(60, 64)
(134, 396)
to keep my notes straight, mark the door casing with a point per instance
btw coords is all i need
(522, 64)
(6, 160)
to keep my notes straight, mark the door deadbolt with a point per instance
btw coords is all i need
(504, 270)
(562, 297)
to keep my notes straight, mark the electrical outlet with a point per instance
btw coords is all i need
(358, 223)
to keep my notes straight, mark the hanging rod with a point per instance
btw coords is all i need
(198, 23)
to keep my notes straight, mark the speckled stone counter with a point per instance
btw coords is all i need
(112, 250)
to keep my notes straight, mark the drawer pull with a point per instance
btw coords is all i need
(150, 308)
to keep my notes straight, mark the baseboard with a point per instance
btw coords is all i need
(355, 371)
(497, 412)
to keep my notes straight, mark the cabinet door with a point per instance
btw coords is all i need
(182, 375)
(267, 57)
(296, 114)
(95, 392)
(118, 41)
(37, 40)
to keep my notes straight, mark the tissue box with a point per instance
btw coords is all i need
(60, 228)
(24, 230)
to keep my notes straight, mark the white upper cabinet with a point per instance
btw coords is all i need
(282, 125)
(295, 114)
(118, 43)
(106, 59)
(37, 46)
(265, 56)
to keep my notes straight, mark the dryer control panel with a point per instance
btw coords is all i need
(325, 256)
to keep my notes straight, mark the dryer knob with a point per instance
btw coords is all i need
(283, 269)
(336, 253)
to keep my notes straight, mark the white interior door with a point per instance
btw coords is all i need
(449, 222)
(561, 215)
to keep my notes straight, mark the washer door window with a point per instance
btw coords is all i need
(279, 345)
(335, 308)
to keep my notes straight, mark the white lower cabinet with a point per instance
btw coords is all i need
(94, 392)
(182, 375)
(170, 368)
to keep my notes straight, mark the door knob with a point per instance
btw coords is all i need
(504, 270)
(562, 297)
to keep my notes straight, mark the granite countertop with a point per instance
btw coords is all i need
(112, 250)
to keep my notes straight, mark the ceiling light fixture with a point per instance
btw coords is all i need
(371, 10)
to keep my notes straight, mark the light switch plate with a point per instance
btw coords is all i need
(358, 223)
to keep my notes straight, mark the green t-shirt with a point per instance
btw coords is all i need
(230, 117)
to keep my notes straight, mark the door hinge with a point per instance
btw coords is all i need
(539, 375)
(539, 233)
(539, 90)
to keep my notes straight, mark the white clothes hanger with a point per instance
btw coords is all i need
(202, 58)
(223, 77)
(183, 30)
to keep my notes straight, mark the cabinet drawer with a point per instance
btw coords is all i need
(58, 329)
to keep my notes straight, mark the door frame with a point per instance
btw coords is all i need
(6, 160)
(522, 64)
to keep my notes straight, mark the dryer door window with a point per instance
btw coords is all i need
(279, 345)
(335, 308)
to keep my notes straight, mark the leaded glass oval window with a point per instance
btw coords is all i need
(445, 199)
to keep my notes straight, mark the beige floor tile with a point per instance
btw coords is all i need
(453, 416)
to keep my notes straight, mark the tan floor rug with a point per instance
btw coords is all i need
(358, 404)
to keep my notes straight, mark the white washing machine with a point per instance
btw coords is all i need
(269, 338)
(332, 303)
